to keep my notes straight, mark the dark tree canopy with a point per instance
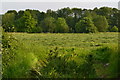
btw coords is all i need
(63, 20)
(61, 26)
(8, 22)
(85, 25)
(48, 24)
(26, 23)
(101, 23)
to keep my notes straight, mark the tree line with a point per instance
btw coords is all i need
(72, 20)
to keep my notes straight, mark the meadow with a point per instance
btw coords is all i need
(64, 55)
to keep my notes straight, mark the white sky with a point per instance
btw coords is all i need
(43, 5)
(59, 0)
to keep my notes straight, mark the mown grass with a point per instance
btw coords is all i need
(36, 47)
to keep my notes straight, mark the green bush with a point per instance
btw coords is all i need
(16, 61)
(67, 66)
(9, 47)
(21, 66)
(114, 63)
(102, 54)
(107, 60)
(114, 29)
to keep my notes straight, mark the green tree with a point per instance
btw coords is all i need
(85, 26)
(104, 11)
(48, 24)
(114, 29)
(71, 23)
(8, 21)
(20, 14)
(87, 14)
(64, 12)
(77, 14)
(113, 20)
(119, 21)
(12, 11)
(61, 25)
(0, 20)
(26, 23)
(31, 20)
(101, 23)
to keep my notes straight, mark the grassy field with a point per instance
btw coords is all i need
(39, 44)
(66, 40)
(36, 49)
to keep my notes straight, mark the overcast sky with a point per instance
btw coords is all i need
(43, 5)
(59, 0)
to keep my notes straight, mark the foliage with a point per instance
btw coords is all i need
(48, 24)
(114, 29)
(63, 56)
(14, 64)
(58, 55)
(67, 66)
(85, 26)
(101, 23)
(61, 26)
(64, 12)
(26, 23)
(9, 47)
(8, 22)
(114, 63)
(108, 58)
(31, 20)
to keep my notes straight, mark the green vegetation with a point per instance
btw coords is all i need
(48, 24)
(61, 26)
(86, 26)
(101, 23)
(67, 43)
(62, 21)
(67, 55)
(114, 29)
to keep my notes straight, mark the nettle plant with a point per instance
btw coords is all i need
(64, 64)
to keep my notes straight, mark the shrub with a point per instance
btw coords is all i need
(15, 63)
(21, 66)
(67, 66)
(114, 29)
(9, 47)
(107, 60)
